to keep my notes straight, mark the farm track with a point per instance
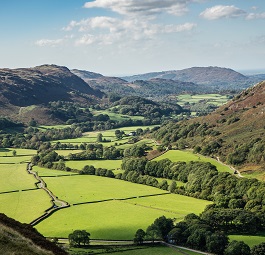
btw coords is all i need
(55, 201)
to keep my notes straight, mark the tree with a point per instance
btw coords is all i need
(79, 237)
(258, 249)
(237, 248)
(172, 187)
(139, 236)
(99, 137)
(163, 226)
(14, 152)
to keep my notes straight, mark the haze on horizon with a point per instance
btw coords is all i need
(122, 37)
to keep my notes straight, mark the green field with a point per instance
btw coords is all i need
(50, 172)
(117, 116)
(87, 188)
(65, 153)
(91, 137)
(53, 127)
(102, 163)
(187, 156)
(15, 177)
(25, 206)
(114, 220)
(215, 99)
(131, 250)
(8, 152)
(173, 203)
(249, 240)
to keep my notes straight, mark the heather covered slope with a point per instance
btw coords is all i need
(235, 132)
(17, 238)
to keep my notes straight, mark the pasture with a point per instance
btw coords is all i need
(101, 163)
(131, 250)
(113, 220)
(215, 99)
(120, 216)
(15, 177)
(50, 172)
(8, 152)
(117, 116)
(249, 240)
(89, 188)
(25, 206)
(187, 156)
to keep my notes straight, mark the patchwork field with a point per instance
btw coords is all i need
(91, 137)
(8, 152)
(88, 188)
(118, 218)
(114, 220)
(187, 156)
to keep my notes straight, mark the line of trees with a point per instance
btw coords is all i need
(197, 233)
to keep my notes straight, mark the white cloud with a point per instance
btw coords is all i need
(251, 16)
(222, 11)
(106, 30)
(179, 28)
(140, 7)
(48, 42)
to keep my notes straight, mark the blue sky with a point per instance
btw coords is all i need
(121, 37)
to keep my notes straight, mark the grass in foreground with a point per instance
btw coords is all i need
(187, 156)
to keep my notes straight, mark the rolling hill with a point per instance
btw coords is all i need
(234, 132)
(25, 92)
(215, 77)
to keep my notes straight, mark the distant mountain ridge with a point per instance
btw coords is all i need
(216, 77)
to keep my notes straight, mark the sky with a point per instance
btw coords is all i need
(125, 37)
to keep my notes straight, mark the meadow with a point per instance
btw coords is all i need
(88, 188)
(131, 250)
(116, 116)
(215, 99)
(248, 239)
(8, 152)
(110, 220)
(101, 163)
(25, 206)
(15, 177)
(187, 156)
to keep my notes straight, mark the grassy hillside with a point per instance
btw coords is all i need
(234, 132)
